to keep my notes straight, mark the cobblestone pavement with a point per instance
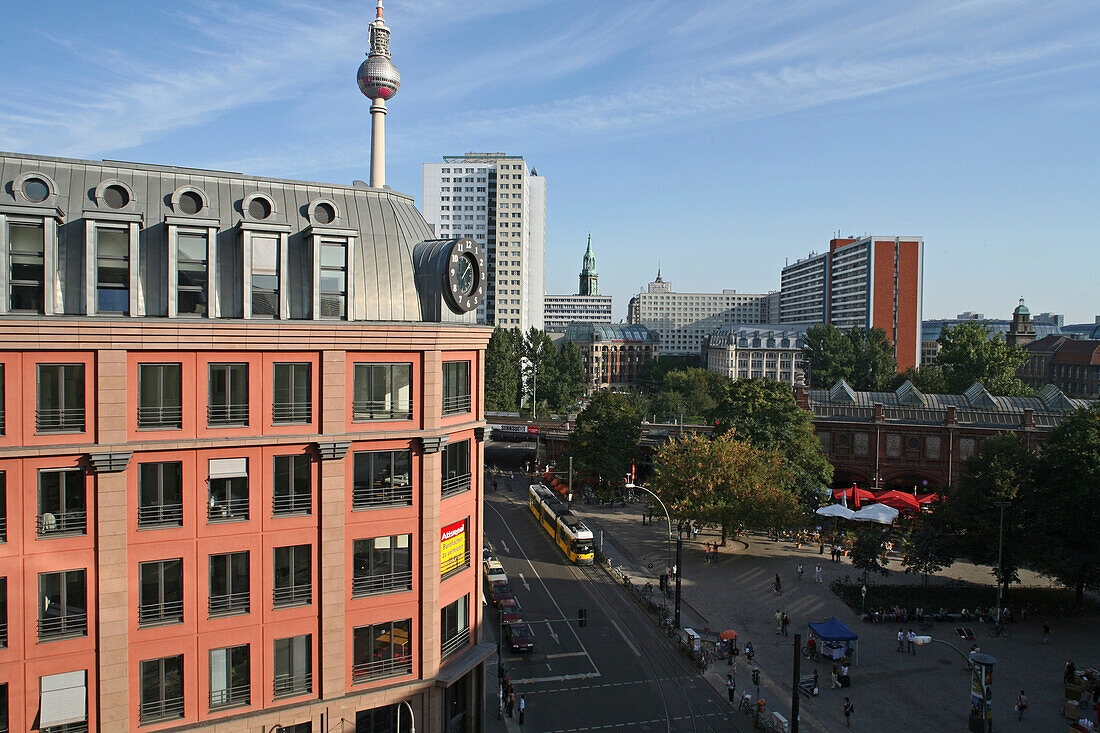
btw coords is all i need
(928, 691)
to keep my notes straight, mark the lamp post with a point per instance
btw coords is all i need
(981, 684)
(1000, 557)
(412, 717)
(665, 509)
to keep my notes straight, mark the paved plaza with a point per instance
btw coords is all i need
(928, 691)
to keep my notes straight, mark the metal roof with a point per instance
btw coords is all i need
(627, 333)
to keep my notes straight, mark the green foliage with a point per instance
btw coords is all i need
(502, 371)
(724, 481)
(1041, 600)
(538, 370)
(970, 353)
(652, 374)
(873, 362)
(868, 551)
(568, 383)
(763, 412)
(828, 354)
(928, 379)
(926, 551)
(605, 440)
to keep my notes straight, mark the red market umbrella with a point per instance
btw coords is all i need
(898, 500)
(927, 498)
(853, 496)
(727, 635)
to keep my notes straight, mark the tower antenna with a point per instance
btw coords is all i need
(378, 80)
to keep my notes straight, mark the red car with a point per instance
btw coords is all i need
(518, 633)
(506, 603)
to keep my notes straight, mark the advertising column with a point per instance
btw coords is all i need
(981, 693)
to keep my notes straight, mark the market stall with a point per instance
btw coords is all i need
(835, 640)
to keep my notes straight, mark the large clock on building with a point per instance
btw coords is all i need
(464, 278)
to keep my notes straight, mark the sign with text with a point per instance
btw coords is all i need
(452, 547)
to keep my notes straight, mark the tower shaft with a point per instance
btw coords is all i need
(378, 143)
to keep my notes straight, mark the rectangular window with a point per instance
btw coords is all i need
(229, 681)
(160, 494)
(454, 625)
(228, 390)
(292, 395)
(228, 584)
(456, 468)
(3, 616)
(265, 277)
(456, 387)
(3, 391)
(228, 483)
(62, 503)
(112, 252)
(382, 479)
(191, 282)
(334, 281)
(293, 576)
(62, 605)
(60, 398)
(292, 485)
(4, 708)
(63, 705)
(161, 690)
(382, 650)
(160, 396)
(161, 592)
(3, 506)
(382, 392)
(293, 666)
(382, 565)
(26, 268)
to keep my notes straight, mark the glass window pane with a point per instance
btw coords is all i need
(265, 253)
(26, 238)
(332, 255)
(191, 247)
(113, 243)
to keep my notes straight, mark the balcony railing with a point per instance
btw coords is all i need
(293, 413)
(156, 710)
(160, 614)
(293, 595)
(292, 504)
(289, 685)
(378, 497)
(58, 627)
(81, 727)
(362, 410)
(380, 668)
(456, 485)
(455, 643)
(160, 416)
(160, 515)
(3, 528)
(369, 585)
(456, 405)
(227, 510)
(61, 420)
(228, 604)
(230, 697)
(231, 414)
(62, 523)
(459, 568)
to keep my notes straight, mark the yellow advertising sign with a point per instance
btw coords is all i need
(452, 547)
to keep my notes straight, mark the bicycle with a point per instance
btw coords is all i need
(1000, 630)
(746, 704)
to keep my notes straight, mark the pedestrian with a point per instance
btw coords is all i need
(849, 708)
(817, 573)
(911, 640)
(510, 704)
(778, 585)
(778, 622)
(731, 686)
(1070, 675)
(1046, 633)
(1021, 705)
(786, 621)
(836, 679)
(800, 572)
(815, 688)
(522, 707)
(901, 640)
(500, 702)
(749, 651)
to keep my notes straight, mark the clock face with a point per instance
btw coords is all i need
(464, 279)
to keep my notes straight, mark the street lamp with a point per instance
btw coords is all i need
(1000, 557)
(635, 486)
(412, 717)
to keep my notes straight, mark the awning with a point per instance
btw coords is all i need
(464, 662)
(64, 699)
(228, 467)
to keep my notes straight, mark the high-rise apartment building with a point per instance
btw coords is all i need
(683, 320)
(586, 307)
(240, 451)
(869, 282)
(495, 200)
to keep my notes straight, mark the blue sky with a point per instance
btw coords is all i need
(717, 137)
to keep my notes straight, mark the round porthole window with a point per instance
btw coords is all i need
(259, 208)
(324, 214)
(36, 190)
(190, 202)
(116, 197)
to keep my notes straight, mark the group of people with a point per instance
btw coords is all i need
(711, 552)
(817, 572)
(907, 638)
(782, 621)
(508, 700)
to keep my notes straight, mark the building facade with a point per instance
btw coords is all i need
(1071, 365)
(613, 353)
(683, 320)
(588, 306)
(871, 282)
(1029, 329)
(495, 200)
(758, 351)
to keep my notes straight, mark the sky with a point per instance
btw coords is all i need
(715, 139)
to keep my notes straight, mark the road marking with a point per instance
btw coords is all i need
(524, 581)
(552, 634)
(565, 654)
(558, 678)
(505, 544)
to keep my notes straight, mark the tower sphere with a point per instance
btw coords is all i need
(378, 78)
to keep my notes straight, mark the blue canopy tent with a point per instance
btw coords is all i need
(832, 630)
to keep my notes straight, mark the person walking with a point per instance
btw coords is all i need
(749, 651)
(836, 679)
(510, 703)
(731, 687)
(901, 640)
(785, 622)
(778, 585)
(1046, 633)
(778, 622)
(800, 572)
(911, 640)
(816, 689)
(1021, 705)
(849, 708)
(522, 707)
(817, 573)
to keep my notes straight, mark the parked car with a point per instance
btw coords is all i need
(499, 586)
(518, 633)
(506, 603)
(494, 571)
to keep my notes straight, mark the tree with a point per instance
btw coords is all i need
(927, 378)
(969, 352)
(501, 371)
(605, 439)
(538, 350)
(568, 381)
(1066, 503)
(873, 362)
(926, 551)
(699, 390)
(763, 412)
(724, 481)
(868, 551)
(651, 375)
(828, 354)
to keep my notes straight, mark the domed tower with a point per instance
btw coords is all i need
(1022, 331)
(590, 281)
(379, 80)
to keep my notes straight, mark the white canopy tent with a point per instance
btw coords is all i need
(836, 510)
(876, 513)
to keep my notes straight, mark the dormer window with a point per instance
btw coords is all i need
(192, 282)
(26, 267)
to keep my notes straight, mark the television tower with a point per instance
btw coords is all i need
(378, 80)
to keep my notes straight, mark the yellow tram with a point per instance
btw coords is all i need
(567, 530)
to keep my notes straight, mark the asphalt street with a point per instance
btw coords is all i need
(620, 672)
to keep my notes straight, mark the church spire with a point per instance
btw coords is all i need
(590, 281)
